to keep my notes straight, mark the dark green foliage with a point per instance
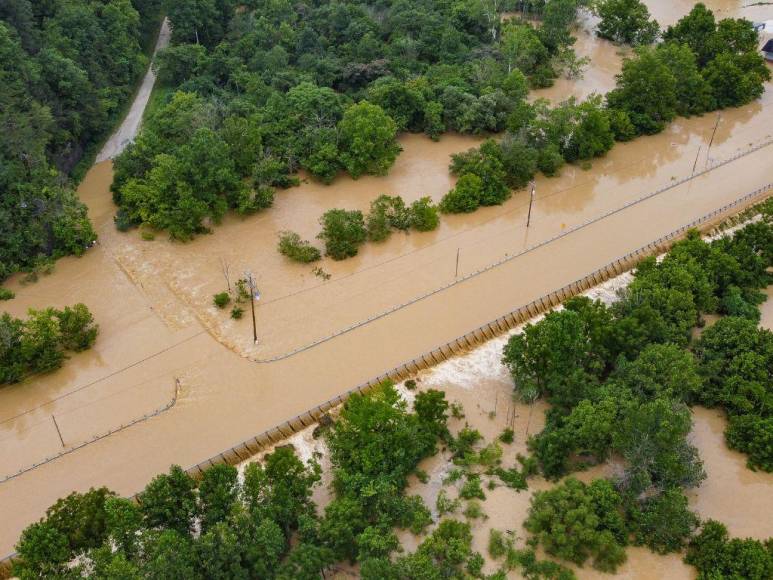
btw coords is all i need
(465, 197)
(221, 299)
(626, 21)
(298, 250)
(237, 312)
(40, 343)
(217, 495)
(375, 445)
(169, 501)
(646, 91)
(68, 68)
(485, 163)
(343, 231)
(736, 359)
(245, 527)
(664, 523)
(715, 555)
(6, 294)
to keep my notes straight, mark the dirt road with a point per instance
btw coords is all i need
(130, 126)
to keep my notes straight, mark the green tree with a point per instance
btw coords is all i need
(169, 501)
(575, 522)
(217, 494)
(626, 21)
(665, 523)
(343, 231)
(465, 197)
(647, 91)
(367, 140)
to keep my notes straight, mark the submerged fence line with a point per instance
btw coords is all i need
(508, 258)
(254, 445)
(99, 436)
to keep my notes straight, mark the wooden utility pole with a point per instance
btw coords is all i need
(713, 134)
(531, 202)
(58, 432)
(456, 273)
(253, 295)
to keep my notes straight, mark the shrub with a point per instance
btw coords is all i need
(424, 215)
(221, 300)
(342, 231)
(465, 197)
(6, 294)
(237, 312)
(298, 250)
(507, 436)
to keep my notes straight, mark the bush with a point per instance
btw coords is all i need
(507, 436)
(39, 344)
(343, 231)
(237, 312)
(6, 294)
(221, 300)
(298, 250)
(465, 197)
(550, 161)
(424, 215)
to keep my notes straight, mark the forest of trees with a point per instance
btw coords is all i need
(258, 93)
(68, 68)
(619, 381)
(271, 88)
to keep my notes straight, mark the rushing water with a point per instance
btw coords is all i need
(153, 299)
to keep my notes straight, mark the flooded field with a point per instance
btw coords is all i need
(152, 299)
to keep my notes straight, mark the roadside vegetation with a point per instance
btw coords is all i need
(702, 65)
(619, 380)
(40, 343)
(259, 93)
(68, 69)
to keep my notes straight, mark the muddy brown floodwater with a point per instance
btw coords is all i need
(153, 301)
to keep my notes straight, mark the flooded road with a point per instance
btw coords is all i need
(153, 303)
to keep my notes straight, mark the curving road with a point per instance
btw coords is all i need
(128, 129)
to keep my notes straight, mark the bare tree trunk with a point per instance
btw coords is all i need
(225, 266)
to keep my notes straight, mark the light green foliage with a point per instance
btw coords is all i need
(445, 505)
(343, 231)
(626, 21)
(40, 343)
(298, 250)
(424, 215)
(387, 212)
(577, 522)
(367, 140)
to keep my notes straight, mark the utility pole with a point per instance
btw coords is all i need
(711, 141)
(58, 432)
(531, 201)
(456, 273)
(254, 295)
